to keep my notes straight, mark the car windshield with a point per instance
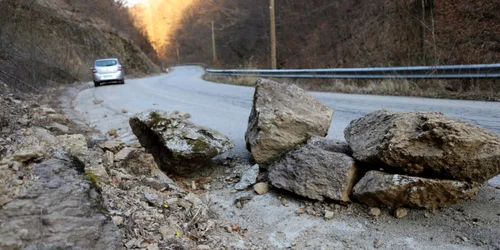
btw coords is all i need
(105, 63)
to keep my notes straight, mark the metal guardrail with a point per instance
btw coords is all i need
(414, 72)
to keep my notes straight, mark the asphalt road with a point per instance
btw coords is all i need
(226, 108)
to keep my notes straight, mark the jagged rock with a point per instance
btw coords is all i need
(73, 144)
(248, 178)
(98, 171)
(109, 158)
(46, 139)
(70, 216)
(27, 154)
(315, 173)
(112, 145)
(124, 153)
(59, 127)
(283, 116)
(48, 110)
(426, 144)
(139, 163)
(378, 189)
(58, 118)
(177, 144)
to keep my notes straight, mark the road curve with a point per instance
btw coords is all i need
(226, 107)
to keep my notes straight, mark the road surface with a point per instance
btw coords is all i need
(226, 107)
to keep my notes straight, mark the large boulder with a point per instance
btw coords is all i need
(283, 116)
(315, 172)
(178, 145)
(426, 145)
(58, 210)
(378, 189)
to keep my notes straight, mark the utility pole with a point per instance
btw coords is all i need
(213, 44)
(273, 34)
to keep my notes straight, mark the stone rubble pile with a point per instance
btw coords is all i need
(57, 192)
(427, 159)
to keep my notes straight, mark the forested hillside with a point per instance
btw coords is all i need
(56, 41)
(325, 33)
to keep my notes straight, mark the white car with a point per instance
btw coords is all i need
(107, 70)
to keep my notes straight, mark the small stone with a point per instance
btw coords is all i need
(59, 127)
(284, 202)
(261, 188)
(109, 158)
(228, 228)
(113, 132)
(185, 204)
(463, 238)
(47, 110)
(235, 227)
(130, 243)
(120, 156)
(112, 145)
(400, 213)
(18, 182)
(301, 211)
(374, 211)
(378, 244)
(239, 205)
(310, 211)
(151, 198)
(15, 165)
(248, 178)
(167, 232)
(328, 215)
(118, 220)
(28, 154)
(203, 247)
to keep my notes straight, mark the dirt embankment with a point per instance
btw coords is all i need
(44, 42)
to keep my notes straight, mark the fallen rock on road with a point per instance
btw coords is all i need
(378, 189)
(316, 173)
(426, 145)
(282, 117)
(178, 145)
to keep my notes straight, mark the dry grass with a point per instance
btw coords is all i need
(475, 89)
